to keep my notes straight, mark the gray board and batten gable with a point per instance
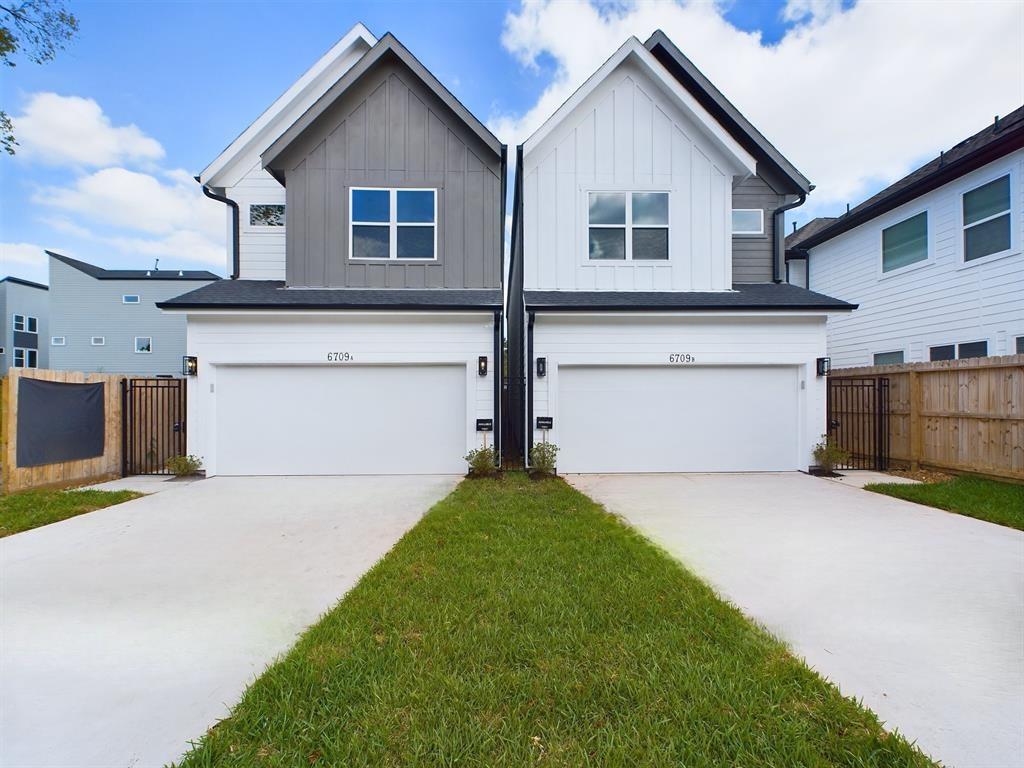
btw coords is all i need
(389, 123)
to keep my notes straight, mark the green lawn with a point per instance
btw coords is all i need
(31, 509)
(990, 500)
(519, 624)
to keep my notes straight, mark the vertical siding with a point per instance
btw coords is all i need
(752, 254)
(390, 130)
(626, 135)
(943, 301)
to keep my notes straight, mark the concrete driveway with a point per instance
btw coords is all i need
(916, 611)
(129, 631)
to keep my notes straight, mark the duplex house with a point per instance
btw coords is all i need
(649, 321)
(107, 321)
(24, 322)
(361, 332)
(934, 260)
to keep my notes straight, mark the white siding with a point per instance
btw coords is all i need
(943, 300)
(628, 134)
(261, 248)
(305, 339)
(641, 341)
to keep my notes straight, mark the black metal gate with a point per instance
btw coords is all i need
(858, 420)
(153, 426)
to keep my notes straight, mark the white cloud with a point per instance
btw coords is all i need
(20, 255)
(854, 98)
(71, 130)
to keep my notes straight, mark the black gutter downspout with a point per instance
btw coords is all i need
(234, 224)
(528, 433)
(779, 239)
(498, 375)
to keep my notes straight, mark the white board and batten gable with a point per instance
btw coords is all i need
(631, 128)
(237, 172)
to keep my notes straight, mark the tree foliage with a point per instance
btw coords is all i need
(36, 30)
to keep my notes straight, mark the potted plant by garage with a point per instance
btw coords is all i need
(827, 456)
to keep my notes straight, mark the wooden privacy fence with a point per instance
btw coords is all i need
(960, 415)
(64, 473)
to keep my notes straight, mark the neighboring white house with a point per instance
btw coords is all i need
(24, 323)
(645, 348)
(362, 334)
(106, 320)
(934, 261)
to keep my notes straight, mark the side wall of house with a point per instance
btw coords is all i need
(942, 300)
(83, 307)
(261, 247)
(31, 302)
(752, 255)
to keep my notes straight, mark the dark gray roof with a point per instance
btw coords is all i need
(28, 283)
(998, 138)
(755, 296)
(812, 227)
(386, 46)
(272, 294)
(133, 274)
(722, 109)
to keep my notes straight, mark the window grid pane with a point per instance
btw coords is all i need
(371, 205)
(608, 243)
(650, 209)
(650, 244)
(416, 206)
(972, 349)
(987, 200)
(944, 352)
(992, 236)
(370, 242)
(608, 208)
(905, 243)
(415, 242)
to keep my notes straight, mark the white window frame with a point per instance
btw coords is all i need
(744, 233)
(891, 351)
(61, 343)
(143, 351)
(393, 224)
(899, 218)
(126, 296)
(629, 226)
(26, 355)
(1014, 239)
(17, 320)
(265, 227)
(101, 343)
(31, 321)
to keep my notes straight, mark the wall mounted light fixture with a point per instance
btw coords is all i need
(824, 366)
(481, 365)
(542, 367)
(189, 365)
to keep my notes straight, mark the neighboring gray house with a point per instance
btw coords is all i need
(378, 353)
(24, 320)
(106, 320)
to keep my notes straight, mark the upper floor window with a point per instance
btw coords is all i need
(905, 243)
(98, 341)
(130, 298)
(987, 219)
(26, 323)
(393, 224)
(747, 221)
(144, 344)
(58, 341)
(628, 226)
(266, 215)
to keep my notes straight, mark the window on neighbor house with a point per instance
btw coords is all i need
(1020, 346)
(628, 226)
(25, 358)
(32, 324)
(889, 358)
(98, 341)
(57, 341)
(905, 243)
(19, 322)
(987, 219)
(266, 215)
(747, 221)
(958, 351)
(130, 298)
(143, 344)
(393, 224)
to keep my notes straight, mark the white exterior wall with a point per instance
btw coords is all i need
(306, 338)
(713, 340)
(939, 301)
(261, 248)
(627, 134)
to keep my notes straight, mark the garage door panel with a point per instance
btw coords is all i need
(317, 420)
(694, 419)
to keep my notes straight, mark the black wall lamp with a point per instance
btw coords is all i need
(542, 367)
(189, 365)
(824, 366)
(481, 365)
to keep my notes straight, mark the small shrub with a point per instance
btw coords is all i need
(543, 458)
(183, 466)
(482, 462)
(829, 455)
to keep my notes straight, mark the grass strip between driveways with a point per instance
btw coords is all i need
(990, 500)
(26, 510)
(520, 624)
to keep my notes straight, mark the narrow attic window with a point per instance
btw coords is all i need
(747, 221)
(266, 215)
(58, 341)
(130, 298)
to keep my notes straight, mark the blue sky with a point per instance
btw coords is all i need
(191, 76)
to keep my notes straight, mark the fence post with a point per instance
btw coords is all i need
(916, 423)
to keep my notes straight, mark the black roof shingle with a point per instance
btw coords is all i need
(753, 296)
(134, 274)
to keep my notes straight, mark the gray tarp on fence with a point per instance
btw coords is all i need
(59, 422)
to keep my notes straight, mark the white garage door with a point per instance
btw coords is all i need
(315, 420)
(695, 419)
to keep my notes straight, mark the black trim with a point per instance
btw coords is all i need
(409, 306)
(504, 182)
(528, 434)
(498, 375)
(235, 244)
(26, 283)
(779, 236)
(99, 273)
(761, 297)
